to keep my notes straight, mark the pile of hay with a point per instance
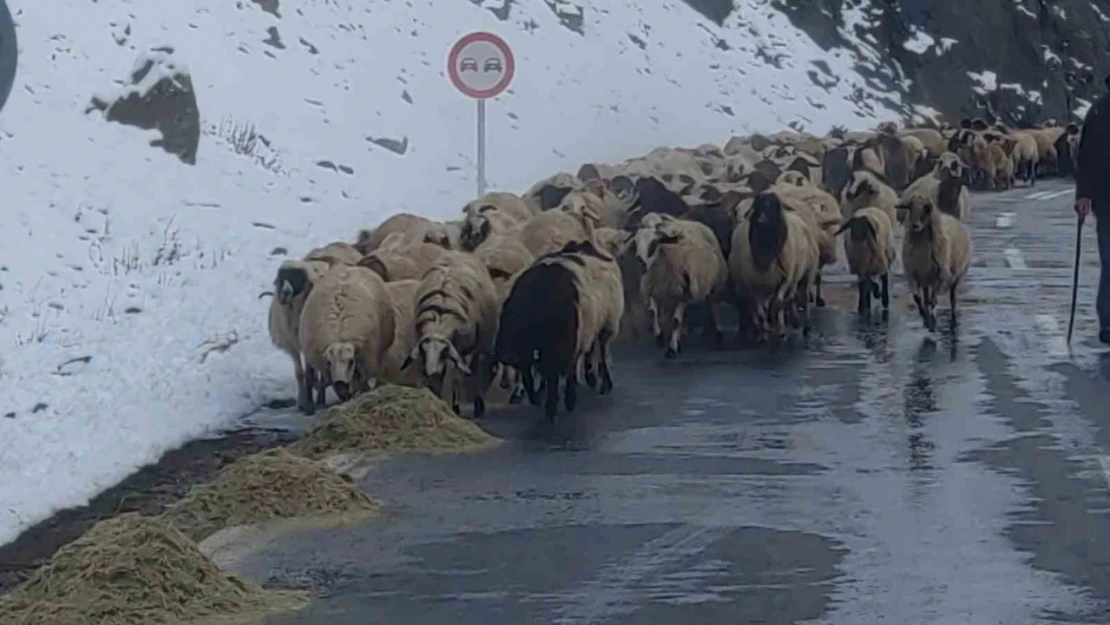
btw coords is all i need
(135, 570)
(392, 418)
(274, 484)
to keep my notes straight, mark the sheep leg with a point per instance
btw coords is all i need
(1032, 174)
(864, 302)
(551, 404)
(885, 280)
(656, 330)
(322, 385)
(590, 374)
(715, 323)
(304, 394)
(820, 300)
(952, 304)
(570, 393)
(677, 319)
(478, 381)
(606, 362)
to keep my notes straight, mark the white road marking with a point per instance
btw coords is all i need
(1014, 258)
(1056, 194)
(1005, 220)
(1057, 345)
(1105, 462)
(1036, 195)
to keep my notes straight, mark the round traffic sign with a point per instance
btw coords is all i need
(481, 65)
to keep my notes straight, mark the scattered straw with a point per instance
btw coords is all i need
(274, 484)
(134, 570)
(391, 418)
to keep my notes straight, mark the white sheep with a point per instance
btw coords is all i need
(494, 213)
(346, 329)
(822, 212)
(402, 296)
(774, 261)
(549, 231)
(943, 187)
(867, 189)
(414, 227)
(685, 267)
(456, 323)
(936, 254)
(336, 253)
(504, 257)
(403, 261)
(293, 283)
(869, 248)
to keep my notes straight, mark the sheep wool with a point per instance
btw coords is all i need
(936, 254)
(346, 329)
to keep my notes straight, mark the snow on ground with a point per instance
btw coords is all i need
(986, 81)
(129, 318)
(919, 42)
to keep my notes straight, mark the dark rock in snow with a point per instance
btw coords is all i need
(274, 38)
(393, 145)
(269, 6)
(160, 96)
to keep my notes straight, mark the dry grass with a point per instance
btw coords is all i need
(391, 418)
(134, 570)
(271, 485)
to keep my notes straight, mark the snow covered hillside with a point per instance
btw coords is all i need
(129, 279)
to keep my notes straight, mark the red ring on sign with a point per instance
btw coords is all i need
(506, 76)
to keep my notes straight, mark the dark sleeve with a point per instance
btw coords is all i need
(1092, 151)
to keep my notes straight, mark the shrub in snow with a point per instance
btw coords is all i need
(159, 96)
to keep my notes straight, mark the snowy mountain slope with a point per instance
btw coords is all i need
(1016, 61)
(129, 281)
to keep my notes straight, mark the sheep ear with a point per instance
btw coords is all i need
(411, 357)
(454, 355)
(844, 226)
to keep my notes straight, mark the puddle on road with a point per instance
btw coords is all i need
(632, 574)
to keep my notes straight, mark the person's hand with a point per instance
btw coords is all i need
(1082, 206)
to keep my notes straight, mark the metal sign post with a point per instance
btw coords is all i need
(481, 66)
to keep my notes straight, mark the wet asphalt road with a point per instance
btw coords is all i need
(871, 476)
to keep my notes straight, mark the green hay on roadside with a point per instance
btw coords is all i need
(274, 484)
(392, 418)
(134, 570)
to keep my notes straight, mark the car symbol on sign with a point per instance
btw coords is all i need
(492, 65)
(468, 63)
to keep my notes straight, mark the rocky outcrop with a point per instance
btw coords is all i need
(1015, 61)
(159, 96)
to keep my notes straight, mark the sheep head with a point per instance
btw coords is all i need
(950, 166)
(767, 233)
(342, 368)
(475, 230)
(860, 186)
(793, 178)
(434, 352)
(290, 282)
(665, 233)
(920, 212)
(860, 229)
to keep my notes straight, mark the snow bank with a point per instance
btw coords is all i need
(130, 320)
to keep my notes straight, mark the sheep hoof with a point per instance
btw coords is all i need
(718, 339)
(591, 379)
(659, 340)
(516, 398)
(606, 384)
(456, 409)
(820, 302)
(670, 354)
(479, 407)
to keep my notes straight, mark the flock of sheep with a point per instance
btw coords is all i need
(532, 289)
